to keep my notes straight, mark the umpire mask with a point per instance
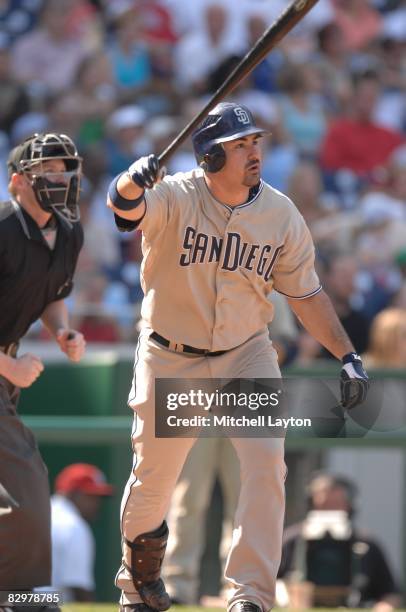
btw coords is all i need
(56, 192)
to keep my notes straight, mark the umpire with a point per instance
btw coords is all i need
(40, 240)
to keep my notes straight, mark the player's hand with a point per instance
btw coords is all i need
(25, 370)
(354, 382)
(72, 343)
(145, 172)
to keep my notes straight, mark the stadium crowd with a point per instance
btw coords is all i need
(122, 77)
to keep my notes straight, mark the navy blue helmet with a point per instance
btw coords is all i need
(226, 121)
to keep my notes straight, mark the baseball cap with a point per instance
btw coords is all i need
(18, 154)
(42, 146)
(127, 116)
(82, 477)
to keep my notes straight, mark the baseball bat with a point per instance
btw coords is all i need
(285, 22)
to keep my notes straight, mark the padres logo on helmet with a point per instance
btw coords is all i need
(227, 121)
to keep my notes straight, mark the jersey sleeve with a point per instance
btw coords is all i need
(158, 202)
(294, 274)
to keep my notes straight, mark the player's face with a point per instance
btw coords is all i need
(53, 170)
(243, 160)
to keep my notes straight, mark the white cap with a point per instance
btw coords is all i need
(378, 207)
(161, 127)
(126, 116)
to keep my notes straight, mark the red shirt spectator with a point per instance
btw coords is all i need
(357, 146)
(357, 143)
(359, 22)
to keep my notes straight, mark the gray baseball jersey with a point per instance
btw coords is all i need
(206, 274)
(207, 265)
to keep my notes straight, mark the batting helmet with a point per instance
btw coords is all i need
(55, 192)
(226, 121)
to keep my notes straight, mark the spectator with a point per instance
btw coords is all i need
(79, 489)
(92, 315)
(346, 567)
(333, 62)
(83, 22)
(390, 111)
(340, 277)
(61, 116)
(359, 22)
(92, 97)
(383, 233)
(200, 52)
(382, 236)
(281, 157)
(387, 343)
(188, 17)
(264, 77)
(50, 54)
(161, 38)
(355, 142)
(302, 109)
(14, 100)
(141, 52)
(126, 140)
(305, 187)
(299, 43)
(129, 53)
(158, 26)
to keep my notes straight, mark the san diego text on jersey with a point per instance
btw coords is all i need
(231, 252)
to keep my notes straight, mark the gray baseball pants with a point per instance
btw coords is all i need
(254, 557)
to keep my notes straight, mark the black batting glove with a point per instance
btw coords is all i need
(145, 172)
(354, 382)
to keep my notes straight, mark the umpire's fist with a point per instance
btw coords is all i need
(72, 343)
(25, 370)
(145, 172)
(354, 381)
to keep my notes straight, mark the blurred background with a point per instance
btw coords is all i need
(122, 77)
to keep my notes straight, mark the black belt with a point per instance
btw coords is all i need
(184, 348)
(10, 349)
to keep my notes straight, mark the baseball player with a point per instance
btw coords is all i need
(40, 240)
(216, 241)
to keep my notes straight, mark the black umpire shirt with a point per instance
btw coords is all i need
(31, 274)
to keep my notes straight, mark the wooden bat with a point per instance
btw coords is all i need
(286, 21)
